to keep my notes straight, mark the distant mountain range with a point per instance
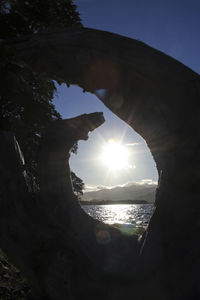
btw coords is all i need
(131, 192)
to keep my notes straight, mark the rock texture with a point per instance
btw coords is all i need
(62, 251)
(159, 98)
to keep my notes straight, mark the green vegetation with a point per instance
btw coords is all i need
(26, 97)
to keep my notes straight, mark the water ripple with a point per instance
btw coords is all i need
(134, 214)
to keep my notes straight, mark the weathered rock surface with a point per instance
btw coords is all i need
(55, 243)
(159, 98)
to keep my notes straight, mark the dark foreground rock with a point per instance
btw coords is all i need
(13, 286)
(61, 250)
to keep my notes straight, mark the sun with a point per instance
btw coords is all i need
(115, 155)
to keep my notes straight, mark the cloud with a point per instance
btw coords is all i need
(147, 181)
(95, 188)
(133, 144)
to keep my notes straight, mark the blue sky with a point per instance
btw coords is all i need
(169, 26)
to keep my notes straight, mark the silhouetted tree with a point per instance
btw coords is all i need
(78, 184)
(26, 97)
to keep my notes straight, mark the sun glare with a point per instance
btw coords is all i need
(115, 155)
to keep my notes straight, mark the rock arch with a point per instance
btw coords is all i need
(158, 97)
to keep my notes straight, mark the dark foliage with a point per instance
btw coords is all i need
(78, 184)
(26, 97)
(22, 17)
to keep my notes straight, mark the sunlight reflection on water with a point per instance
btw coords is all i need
(133, 214)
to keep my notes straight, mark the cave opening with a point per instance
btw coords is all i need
(115, 164)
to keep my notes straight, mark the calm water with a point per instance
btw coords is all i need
(130, 214)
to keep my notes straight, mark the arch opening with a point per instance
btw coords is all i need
(117, 190)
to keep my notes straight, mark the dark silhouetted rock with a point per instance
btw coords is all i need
(159, 98)
(62, 251)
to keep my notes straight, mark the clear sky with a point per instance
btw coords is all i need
(171, 26)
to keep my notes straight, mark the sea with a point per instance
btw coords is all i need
(136, 215)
